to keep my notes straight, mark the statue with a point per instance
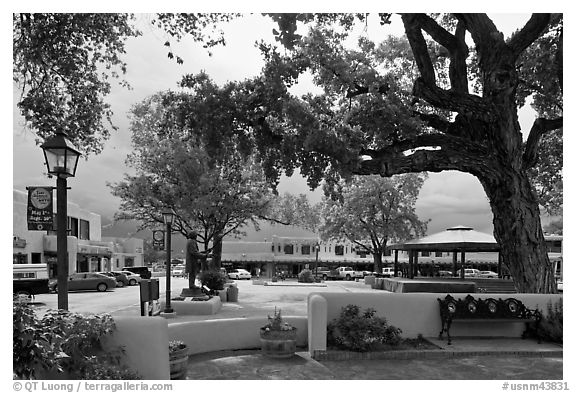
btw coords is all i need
(193, 260)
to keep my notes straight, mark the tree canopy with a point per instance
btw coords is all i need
(374, 211)
(175, 170)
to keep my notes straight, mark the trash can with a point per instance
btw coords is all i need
(232, 293)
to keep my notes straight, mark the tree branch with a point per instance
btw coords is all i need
(453, 101)
(434, 121)
(529, 33)
(419, 47)
(454, 153)
(455, 45)
(539, 128)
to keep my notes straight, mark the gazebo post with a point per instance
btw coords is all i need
(396, 263)
(462, 258)
(499, 265)
(454, 263)
(411, 264)
(415, 272)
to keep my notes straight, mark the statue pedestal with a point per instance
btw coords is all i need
(194, 306)
(193, 292)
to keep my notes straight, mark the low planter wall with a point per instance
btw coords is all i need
(414, 313)
(189, 307)
(229, 333)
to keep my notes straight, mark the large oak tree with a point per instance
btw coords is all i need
(366, 122)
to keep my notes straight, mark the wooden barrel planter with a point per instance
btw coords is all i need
(178, 363)
(278, 343)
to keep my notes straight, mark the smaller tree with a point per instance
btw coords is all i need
(371, 211)
(289, 209)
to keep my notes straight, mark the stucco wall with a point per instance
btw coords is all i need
(145, 341)
(414, 313)
(230, 333)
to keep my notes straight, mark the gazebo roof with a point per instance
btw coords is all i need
(458, 238)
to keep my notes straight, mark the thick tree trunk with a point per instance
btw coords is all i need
(518, 231)
(377, 261)
(217, 252)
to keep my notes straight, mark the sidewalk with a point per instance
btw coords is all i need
(465, 359)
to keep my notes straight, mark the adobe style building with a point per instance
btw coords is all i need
(290, 255)
(87, 250)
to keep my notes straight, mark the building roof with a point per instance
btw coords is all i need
(458, 238)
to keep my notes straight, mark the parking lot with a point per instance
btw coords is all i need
(287, 295)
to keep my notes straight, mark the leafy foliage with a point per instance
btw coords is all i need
(373, 210)
(64, 342)
(58, 61)
(305, 276)
(361, 332)
(212, 279)
(295, 210)
(63, 64)
(176, 345)
(213, 188)
(276, 323)
(551, 327)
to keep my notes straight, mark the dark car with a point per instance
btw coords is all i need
(143, 271)
(86, 281)
(121, 279)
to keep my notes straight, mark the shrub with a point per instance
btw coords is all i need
(361, 332)
(551, 326)
(305, 276)
(176, 345)
(213, 280)
(64, 342)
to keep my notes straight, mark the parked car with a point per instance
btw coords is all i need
(444, 273)
(133, 278)
(29, 279)
(120, 277)
(142, 271)
(322, 272)
(178, 271)
(86, 282)
(470, 273)
(239, 274)
(488, 274)
(389, 272)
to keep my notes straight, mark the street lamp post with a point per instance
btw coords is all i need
(61, 160)
(317, 247)
(168, 216)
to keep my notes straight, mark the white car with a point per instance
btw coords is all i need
(470, 273)
(178, 271)
(488, 274)
(133, 278)
(239, 274)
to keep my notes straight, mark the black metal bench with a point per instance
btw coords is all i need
(486, 310)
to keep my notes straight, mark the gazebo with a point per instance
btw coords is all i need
(458, 239)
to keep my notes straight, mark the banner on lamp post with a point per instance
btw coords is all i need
(40, 215)
(158, 240)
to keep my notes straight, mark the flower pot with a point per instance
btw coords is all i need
(178, 363)
(278, 343)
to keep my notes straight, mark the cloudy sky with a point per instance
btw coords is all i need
(448, 199)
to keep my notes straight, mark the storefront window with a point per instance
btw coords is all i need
(128, 261)
(84, 230)
(305, 250)
(19, 258)
(339, 250)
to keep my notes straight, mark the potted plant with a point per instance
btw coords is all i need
(178, 351)
(278, 338)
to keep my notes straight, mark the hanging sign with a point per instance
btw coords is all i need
(158, 240)
(40, 208)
